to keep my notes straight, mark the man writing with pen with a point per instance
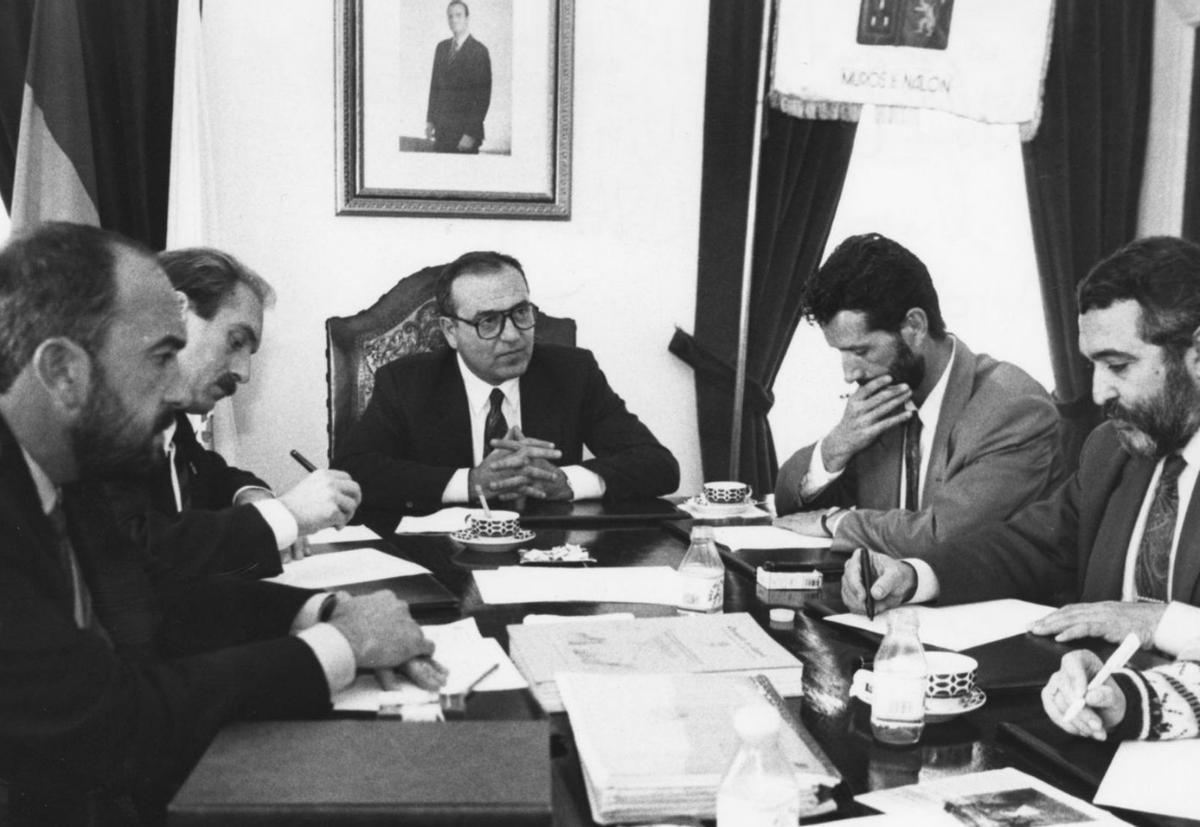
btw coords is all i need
(934, 438)
(196, 515)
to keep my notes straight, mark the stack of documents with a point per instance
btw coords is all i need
(726, 643)
(656, 746)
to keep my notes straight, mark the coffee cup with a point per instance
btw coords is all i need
(499, 524)
(726, 493)
(951, 675)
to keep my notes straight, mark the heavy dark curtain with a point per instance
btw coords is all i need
(1191, 190)
(802, 169)
(129, 58)
(1083, 173)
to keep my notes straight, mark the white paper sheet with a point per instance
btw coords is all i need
(960, 627)
(439, 522)
(1154, 777)
(340, 568)
(461, 649)
(633, 584)
(349, 534)
(738, 537)
(1005, 796)
(544, 618)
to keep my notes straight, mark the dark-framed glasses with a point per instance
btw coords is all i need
(491, 325)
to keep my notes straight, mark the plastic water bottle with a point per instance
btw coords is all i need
(898, 685)
(701, 575)
(760, 788)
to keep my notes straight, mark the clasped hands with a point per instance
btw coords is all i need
(520, 467)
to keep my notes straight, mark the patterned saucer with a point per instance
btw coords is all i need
(468, 539)
(699, 506)
(937, 710)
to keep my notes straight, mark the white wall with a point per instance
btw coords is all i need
(624, 266)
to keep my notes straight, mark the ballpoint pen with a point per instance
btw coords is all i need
(1115, 661)
(868, 579)
(300, 458)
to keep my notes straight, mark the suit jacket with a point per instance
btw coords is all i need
(460, 91)
(210, 536)
(995, 450)
(1071, 546)
(416, 430)
(89, 726)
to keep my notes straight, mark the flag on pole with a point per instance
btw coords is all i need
(55, 166)
(191, 210)
(976, 58)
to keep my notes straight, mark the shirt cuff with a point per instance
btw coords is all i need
(309, 613)
(283, 525)
(1177, 630)
(333, 652)
(585, 484)
(817, 479)
(927, 582)
(237, 494)
(456, 490)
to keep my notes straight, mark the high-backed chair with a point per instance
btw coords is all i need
(402, 321)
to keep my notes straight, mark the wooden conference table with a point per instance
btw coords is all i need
(1011, 671)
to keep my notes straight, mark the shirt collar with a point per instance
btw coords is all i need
(169, 435)
(933, 402)
(47, 491)
(1191, 451)
(479, 392)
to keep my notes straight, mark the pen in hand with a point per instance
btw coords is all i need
(304, 463)
(1115, 661)
(868, 580)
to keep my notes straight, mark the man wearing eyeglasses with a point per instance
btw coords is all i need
(498, 413)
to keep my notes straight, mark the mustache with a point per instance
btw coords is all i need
(228, 384)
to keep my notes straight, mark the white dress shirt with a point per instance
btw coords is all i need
(1177, 628)
(585, 484)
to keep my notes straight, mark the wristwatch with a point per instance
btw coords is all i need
(328, 605)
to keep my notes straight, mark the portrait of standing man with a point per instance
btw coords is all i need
(460, 90)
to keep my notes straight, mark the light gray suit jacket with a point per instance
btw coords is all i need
(995, 450)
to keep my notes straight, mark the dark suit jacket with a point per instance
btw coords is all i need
(88, 725)
(1071, 546)
(996, 449)
(460, 92)
(416, 430)
(211, 536)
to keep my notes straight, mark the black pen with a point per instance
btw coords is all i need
(868, 578)
(300, 458)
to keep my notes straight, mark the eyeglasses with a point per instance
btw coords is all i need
(491, 325)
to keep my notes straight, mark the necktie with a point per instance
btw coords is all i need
(81, 601)
(453, 50)
(1154, 554)
(912, 463)
(496, 426)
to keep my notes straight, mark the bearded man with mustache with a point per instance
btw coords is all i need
(1119, 542)
(193, 513)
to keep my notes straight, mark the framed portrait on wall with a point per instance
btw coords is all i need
(454, 108)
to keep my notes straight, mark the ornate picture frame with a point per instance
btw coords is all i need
(445, 109)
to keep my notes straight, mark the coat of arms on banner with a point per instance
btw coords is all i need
(976, 58)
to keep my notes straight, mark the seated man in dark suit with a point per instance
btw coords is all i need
(935, 439)
(197, 514)
(112, 686)
(1122, 535)
(496, 412)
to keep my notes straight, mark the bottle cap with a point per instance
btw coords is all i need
(755, 722)
(783, 616)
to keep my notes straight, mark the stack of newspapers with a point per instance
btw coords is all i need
(656, 746)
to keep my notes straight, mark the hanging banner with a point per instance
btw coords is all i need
(980, 59)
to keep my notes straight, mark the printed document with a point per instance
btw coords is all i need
(618, 584)
(959, 627)
(1154, 777)
(737, 537)
(340, 568)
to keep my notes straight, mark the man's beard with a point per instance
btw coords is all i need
(1163, 423)
(107, 442)
(907, 368)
